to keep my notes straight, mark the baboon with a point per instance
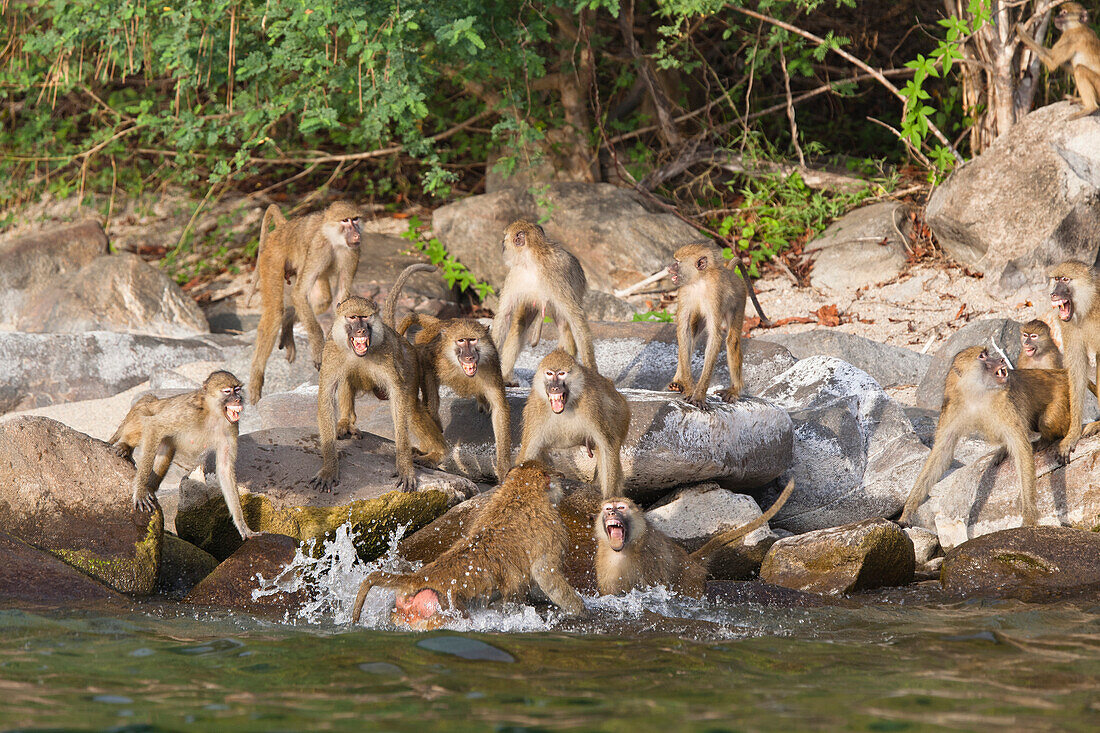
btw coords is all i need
(459, 353)
(983, 397)
(632, 553)
(311, 249)
(572, 405)
(362, 353)
(183, 429)
(1079, 46)
(710, 295)
(1038, 350)
(1073, 288)
(544, 279)
(515, 544)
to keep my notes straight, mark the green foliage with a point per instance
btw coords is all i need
(653, 317)
(454, 272)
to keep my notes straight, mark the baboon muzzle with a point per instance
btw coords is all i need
(615, 529)
(1062, 301)
(557, 393)
(467, 359)
(359, 338)
(233, 405)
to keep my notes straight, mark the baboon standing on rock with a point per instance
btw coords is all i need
(310, 249)
(544, 279)
(1073, 295)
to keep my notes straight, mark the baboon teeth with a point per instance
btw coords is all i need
(360, 344)
(470, 367)
(233, 412)
(557, 402)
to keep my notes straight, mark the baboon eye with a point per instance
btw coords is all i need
(227, 390)
(702, 263)
(550, 374)
(561, 374)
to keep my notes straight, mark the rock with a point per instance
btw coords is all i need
(890, 366)
(863, 247)
(694, 514)
(855, 453)
(745, 444)
(609, 229)
(980, 498)
(39, 369)
(279, 375)
(274, 467)
(69, 494)
(383, 257)
(527, 167)
(1016, 238)
(182, 566)
(1004, 331)
(601, 306)
(925, 543)
(30, 577)
(116, 293)
(577, 508)
(1029, 563)
(233, 581)
(853, 557)
(38, 260)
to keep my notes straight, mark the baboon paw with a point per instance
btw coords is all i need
(342, 433)
(145, 502)
(124, 451)
(729, 395)
(323, 483)
(699, 401)
(247, 533)
(675, 387)
(406, 484)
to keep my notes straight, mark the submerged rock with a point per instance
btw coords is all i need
(31, 577)
(233, 581)
(853, 557)
(116, 293)
(982, 498)
(1029, 563)
(69, 494)
(39, 369)
(745, 444)
(274, 468)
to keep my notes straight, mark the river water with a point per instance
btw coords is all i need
(649, 661)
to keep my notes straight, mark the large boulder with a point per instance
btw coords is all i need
(1004, 331)
(855, 452)
(38, 260)
(616, 237)
(1027, 202)
(234, 582)
(853, 557)
(39, 369)
(981, 498)
(889, 365)
(31, 577)
(116, 293)
(863, 247)
(69, 494)
(745, 444)
(1029, 563)
(273, 471)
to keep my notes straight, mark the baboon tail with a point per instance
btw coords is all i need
(389, 308)
(420, 320)
(272, 214)
(730, 536)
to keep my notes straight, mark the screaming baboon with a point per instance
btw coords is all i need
(1078, 46)
(571, 405)
(183, 429)
(632, 553)
(1073, 295)
(1037, 347)
(311, 249)
(362, 353)
(515, 544)
(460, 354)
(983, 397)
(710, 295)
(544, 279)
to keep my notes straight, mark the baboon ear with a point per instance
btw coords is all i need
(701, 263)
(542, 232)
(520, 239)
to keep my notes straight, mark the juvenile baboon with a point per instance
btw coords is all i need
(1079, 46)
(1073, 288)
(362, 353)
(1037, 347)
(460, 354)
(571, 405)
(311, 249)
(183, 429)
(983, 397)
(632, 553)
(544, 279)
(516, 543)
(710, 295)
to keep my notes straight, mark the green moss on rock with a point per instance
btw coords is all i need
(136, 575)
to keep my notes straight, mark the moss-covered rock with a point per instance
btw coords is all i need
(182, 566)
(1029, 563)
(67, 493)
(852, 557)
